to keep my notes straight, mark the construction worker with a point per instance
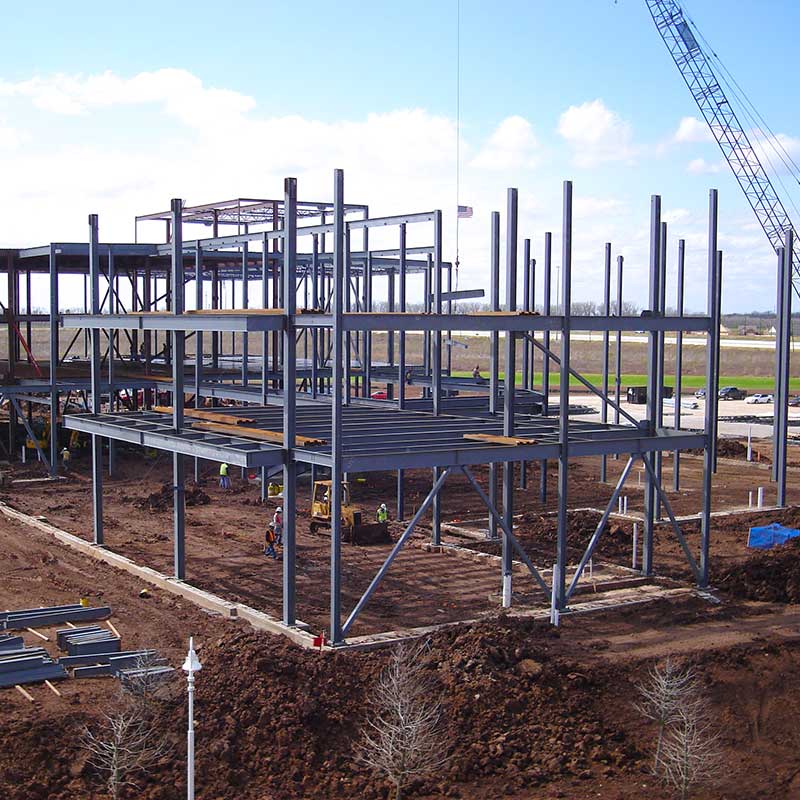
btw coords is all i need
(277, 525)
(224, 480)
(65, 457)
(269, 542)
(382, 514)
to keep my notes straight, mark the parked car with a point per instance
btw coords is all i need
(686, 402)
(731, 393)
(759, 398)
(794, 401)
(700, 393)
(380, 395)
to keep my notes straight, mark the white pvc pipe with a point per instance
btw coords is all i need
(506, 591)
(635, 543)
(553, 607)
(761, 497)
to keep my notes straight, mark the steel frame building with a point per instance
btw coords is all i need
(316, 413)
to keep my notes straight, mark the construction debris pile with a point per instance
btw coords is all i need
(162, 500)
(771, 575)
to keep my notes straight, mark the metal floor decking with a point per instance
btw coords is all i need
(375, 439)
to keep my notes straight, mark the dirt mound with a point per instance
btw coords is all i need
(772, 575)
(733, 448)
(162, 500)
(507, 706)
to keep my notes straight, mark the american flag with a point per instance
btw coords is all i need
(465, 212)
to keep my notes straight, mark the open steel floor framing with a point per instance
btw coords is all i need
(306, 399)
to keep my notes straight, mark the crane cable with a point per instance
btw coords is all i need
(458, 133)
(768, 139)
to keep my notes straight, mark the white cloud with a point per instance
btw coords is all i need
(691, 129)
(180, 94)
(699, 166)
(596, 133)
(64, 165)
(773, 153)
(512, 145)
(10, 138)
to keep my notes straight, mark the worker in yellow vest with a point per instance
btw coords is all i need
(224, 480)
(382, 514)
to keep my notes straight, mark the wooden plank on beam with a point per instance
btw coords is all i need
(514, 441)
(275, 437)
(210, 416)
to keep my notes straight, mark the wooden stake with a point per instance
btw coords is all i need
(113, 629)
(36, 633)
(24, 693)
(52, 688)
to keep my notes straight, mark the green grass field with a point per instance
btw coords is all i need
(690, 382)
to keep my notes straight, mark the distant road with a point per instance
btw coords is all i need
(739, 344)
(688, 341)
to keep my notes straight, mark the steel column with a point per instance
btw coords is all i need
(606, 335)
(712, 384)
(509, 388)
(781, 399)
(198, 340)
(336, 633)
(676, 464)
(652, 380)
(546, 309)
(178, 394)
(289, 401)
(54, 355)
(494, 356)
(97, 442)
(563, 417)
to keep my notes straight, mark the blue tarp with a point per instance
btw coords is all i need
(769, 535)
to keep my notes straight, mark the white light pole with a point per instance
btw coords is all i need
(190, 666)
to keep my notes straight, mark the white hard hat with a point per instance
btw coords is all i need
(383, 505)
(280, 508)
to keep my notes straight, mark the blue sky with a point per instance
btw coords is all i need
(232, 99)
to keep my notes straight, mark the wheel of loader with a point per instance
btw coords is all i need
(314, 527)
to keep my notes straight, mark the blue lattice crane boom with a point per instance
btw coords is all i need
(697, 72)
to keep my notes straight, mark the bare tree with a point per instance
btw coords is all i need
(666, 689)
(692, 752)
(402, 736)
(127, 742)
(123, 746)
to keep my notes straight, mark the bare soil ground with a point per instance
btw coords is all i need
(225, 534)
(531, 712)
